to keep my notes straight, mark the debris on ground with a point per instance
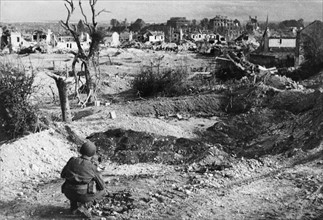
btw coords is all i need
(254, 151)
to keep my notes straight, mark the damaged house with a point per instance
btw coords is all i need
(223, 23)
(44, 37)
(151, 36)
(68, 42)
(229, 28)
(309, 43)
(175, 36)
(17, 41)
(126, 36)
(275, 51)
(209, 37)
(178, 22)
(197, 36)
(30, 42)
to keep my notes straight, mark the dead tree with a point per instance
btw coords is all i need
(62, 84)
(85, 58)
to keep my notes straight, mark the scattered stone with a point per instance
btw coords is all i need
(26, 172)
(113, 114)
(34, 167)
(97, 103)
(179, 117)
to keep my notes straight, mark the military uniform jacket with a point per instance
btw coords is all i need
(79, 172)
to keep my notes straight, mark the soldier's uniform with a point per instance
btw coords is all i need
(83, 183)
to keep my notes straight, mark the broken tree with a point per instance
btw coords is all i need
(85, 57)
(61, 83)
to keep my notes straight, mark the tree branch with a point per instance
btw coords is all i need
(57, 77)
(82, 11)
(70, 11)
(92, 4)
(85, 17)
(54, 76)
(103, 10)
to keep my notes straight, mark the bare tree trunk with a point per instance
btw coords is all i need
(89, 83)
(76, 79)
(63, 97)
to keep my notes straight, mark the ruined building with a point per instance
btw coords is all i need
(309, 43)
(252, 24)
(223, 25)
(275, 51)
(178, 22)
(223, 22)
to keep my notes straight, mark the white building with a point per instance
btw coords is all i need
(68, 42)
(156, 36)
(17, 41)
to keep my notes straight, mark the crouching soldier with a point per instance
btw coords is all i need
(83, 183)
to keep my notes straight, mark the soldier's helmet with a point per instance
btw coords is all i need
(88, 149)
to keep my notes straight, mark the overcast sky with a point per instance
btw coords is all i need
(159, 11)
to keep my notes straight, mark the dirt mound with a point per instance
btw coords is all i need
(34, 157)
(127, 146)
(263, 131)
(245, 97)
(255, 133)
(295, 101)
(209, 104)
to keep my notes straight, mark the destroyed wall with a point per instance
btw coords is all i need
(312, 35)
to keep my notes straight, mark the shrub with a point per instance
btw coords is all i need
(154, 81)
(17, 115)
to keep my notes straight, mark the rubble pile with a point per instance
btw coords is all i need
(201, 105)
(234, 65)
(114, 204)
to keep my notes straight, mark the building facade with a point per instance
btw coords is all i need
(222, 23)
(178, 22)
